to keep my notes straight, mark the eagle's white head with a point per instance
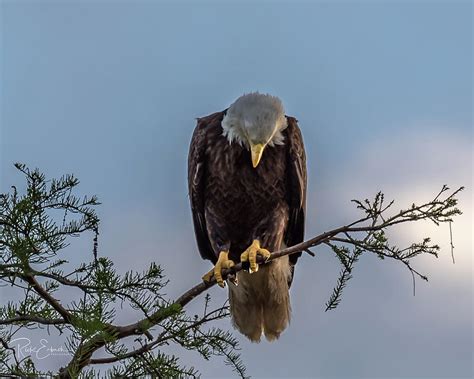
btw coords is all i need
(255, 121)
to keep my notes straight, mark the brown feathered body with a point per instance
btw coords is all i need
(234, 203)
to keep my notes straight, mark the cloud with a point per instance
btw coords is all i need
(413, 167)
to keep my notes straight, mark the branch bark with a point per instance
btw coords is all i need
(31, 280)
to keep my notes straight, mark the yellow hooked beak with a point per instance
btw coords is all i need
(257, 151)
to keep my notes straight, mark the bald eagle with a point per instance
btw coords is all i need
(247, 187)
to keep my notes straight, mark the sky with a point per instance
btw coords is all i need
(109, 91)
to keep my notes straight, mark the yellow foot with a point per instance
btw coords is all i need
(223, 262)
(250, 255)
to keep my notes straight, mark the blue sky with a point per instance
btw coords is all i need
(383, 93)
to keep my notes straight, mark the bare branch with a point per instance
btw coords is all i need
(32, 318)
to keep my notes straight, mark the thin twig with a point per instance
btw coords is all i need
(159, 340)
(33, 318)
(451, 241)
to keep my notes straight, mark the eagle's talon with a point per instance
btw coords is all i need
(250, 255)
(208, 276)
(223, 263)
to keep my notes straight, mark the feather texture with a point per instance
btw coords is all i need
(233, 203)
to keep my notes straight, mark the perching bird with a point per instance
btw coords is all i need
(247, 187)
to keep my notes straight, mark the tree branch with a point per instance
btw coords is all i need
(31, 280)
(436, 210)
(31, 236)
(33, 318)
(162, 338)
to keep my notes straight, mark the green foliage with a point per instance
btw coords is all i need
(31, 233)
(35, 228)
(344, 276)
(372, 237)
(157, 365)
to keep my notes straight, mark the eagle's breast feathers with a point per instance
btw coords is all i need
(234, 203)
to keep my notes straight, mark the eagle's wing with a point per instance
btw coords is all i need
(197, 182)
(296, 180)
